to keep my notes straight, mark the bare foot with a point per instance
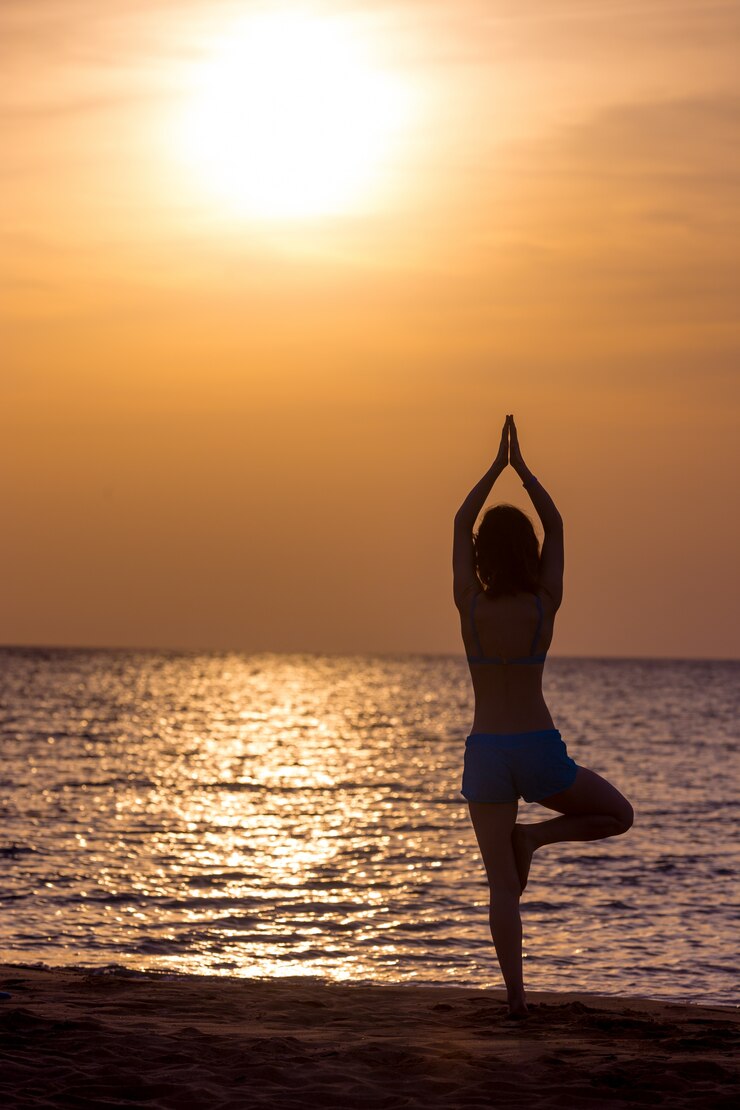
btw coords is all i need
(518, 1010)
(523, 852)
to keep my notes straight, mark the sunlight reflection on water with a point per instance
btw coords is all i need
(283, 815)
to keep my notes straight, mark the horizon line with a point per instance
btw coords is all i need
(350, 654)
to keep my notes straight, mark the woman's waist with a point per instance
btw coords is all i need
(509, 717)
(522, 735)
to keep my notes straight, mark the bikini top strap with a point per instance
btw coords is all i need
(539, 624)
(472, 624)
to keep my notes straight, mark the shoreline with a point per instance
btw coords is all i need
(89, 1037)
(172, 975)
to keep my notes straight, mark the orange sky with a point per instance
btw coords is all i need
(221, 432)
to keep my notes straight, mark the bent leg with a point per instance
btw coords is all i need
(493, 823)
(592, 809)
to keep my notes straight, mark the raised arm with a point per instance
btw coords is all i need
(552, 556)
(465, 578)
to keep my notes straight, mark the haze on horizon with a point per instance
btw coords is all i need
(226, 432)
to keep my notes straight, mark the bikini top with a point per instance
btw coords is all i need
(531, 658)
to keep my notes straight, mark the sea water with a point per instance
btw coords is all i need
(263, 815)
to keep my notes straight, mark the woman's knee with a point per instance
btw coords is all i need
(624, 817)
(504, 895)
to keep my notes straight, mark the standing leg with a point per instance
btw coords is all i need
(592, 809)
(493, 823)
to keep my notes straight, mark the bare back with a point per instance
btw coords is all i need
(508, 695)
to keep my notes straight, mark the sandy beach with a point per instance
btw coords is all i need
(79, 1038)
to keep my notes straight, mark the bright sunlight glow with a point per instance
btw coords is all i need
(291, 118)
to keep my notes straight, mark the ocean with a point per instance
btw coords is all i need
(271, 815)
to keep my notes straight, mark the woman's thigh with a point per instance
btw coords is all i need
(590, 794)
(493, 823)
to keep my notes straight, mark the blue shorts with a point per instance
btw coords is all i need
(505, 766)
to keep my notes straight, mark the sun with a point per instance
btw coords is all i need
(292, 117)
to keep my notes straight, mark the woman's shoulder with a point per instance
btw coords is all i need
(550, 604)
(522, 600)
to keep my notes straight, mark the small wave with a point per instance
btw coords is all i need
(218, 902)
(236, 787)
(120, 970)
(216, 878)
(153, 947)
(10, 851)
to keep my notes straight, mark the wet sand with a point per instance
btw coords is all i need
(77, 1038)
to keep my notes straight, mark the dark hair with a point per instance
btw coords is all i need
(507, 552)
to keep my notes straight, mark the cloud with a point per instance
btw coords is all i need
(670, 164)
(523, 30)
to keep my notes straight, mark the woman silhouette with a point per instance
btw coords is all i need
(507, 593)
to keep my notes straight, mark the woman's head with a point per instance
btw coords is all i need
(507, 552)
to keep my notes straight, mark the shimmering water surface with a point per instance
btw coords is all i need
(282, 815)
